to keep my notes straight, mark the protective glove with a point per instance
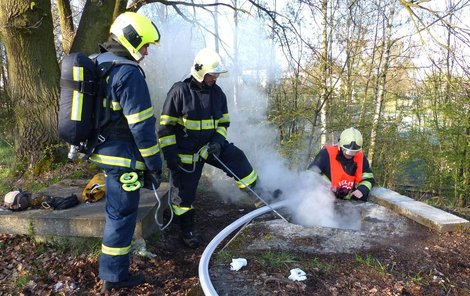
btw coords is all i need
(173, 163)
(152, 178)
(357, 194)
(342, 193)
(214, 148)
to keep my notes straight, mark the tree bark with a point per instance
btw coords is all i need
(95, 22)
(26, 31)
(381, 84)
(66, 24)
(325, 71)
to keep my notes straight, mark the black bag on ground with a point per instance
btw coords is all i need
(60, 203)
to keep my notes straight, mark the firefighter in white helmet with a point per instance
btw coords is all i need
(346, 166)
(193, 131)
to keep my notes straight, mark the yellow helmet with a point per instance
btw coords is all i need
(207, 62)
(133, 30)
(351, 139)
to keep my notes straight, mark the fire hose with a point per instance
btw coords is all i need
(203, 269)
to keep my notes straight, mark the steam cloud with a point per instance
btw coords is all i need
(312, 201)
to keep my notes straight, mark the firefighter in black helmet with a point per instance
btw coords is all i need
(193, 131)
(346, 166)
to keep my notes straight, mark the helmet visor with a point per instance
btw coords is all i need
(353, 146)
(350, 152)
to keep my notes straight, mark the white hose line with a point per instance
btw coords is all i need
(204, 277)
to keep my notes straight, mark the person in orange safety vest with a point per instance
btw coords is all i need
(346, 166)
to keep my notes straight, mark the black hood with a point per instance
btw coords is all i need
(116, 48)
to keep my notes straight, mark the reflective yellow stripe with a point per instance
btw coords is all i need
(222, 131)
(116, 106)
(168, 120)
(203, 153)
(367, 184)
(367, 175)
(150, 151)
(192, 124)
(196, 125)
(186, 158)
(115, 251)
(111, 160)
(77, 97)
(178, 211)
(140, 116)
(77, 73)
(77, 106)
(116, 161)
(139, 165)
(167, 141)
(208, 124)
(190, 158)
(225, 118)
(248, 180)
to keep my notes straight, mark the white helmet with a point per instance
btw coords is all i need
(133, 30)
(351, 139)
(207, 62)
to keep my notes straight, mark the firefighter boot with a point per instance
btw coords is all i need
(189, 237)
(132, 281)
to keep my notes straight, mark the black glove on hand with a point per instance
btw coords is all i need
(152, 178)
(173, 163)
(214, 148)
(342, 192)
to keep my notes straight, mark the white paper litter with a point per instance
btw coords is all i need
(297, 274)
(238, 263)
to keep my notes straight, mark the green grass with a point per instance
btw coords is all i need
(278, 259)
(7, 154)
(317, 263)
(22, 280)
(224, 256)
(371, 262)
(77, 245)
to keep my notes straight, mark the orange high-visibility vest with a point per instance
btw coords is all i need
(339, 178)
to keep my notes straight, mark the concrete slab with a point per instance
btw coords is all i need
(378, 227)
(83, 220)
(418, 211)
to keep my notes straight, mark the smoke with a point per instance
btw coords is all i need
(312, 201)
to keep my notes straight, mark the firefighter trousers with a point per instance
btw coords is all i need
(233, 157)
(121, 216)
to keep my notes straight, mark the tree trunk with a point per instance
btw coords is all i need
(381, 85)
(26, 31)
(66, 24)
(94, 25)
(325, 72)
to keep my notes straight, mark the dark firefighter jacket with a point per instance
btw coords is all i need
(131, 141)
(192, 116)
(349, 166)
